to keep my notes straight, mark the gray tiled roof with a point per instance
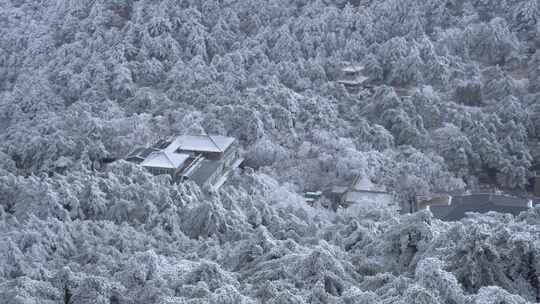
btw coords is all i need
(480, 203)
(204, 171)
(200, 143)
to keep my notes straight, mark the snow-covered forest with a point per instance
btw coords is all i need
(84, 82)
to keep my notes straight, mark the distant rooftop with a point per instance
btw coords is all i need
(353, 68)
(164, 159)
(162, 144)
(139, 155)
(357, 81)
(368, 197)
(136, 152)
(339, 189)
(480, 203)
(365, 184)
(200, 143)
(141, 152)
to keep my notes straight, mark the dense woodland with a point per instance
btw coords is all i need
(83, 82)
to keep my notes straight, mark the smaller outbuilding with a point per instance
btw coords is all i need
(312, 197)
(428, 201)
(361, 191)
(457, 207)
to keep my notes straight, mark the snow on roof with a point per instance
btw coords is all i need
(200, 143)
(364, 184)
(454, 213)
(359, 80)
(353, 69)
(203, 172)
(339, 189)
(164, 159)
(479, 203)
(136, 152)
(142, 152)
(368, 197)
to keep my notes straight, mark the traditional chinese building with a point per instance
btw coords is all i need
(353, 78)
(205, 159)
